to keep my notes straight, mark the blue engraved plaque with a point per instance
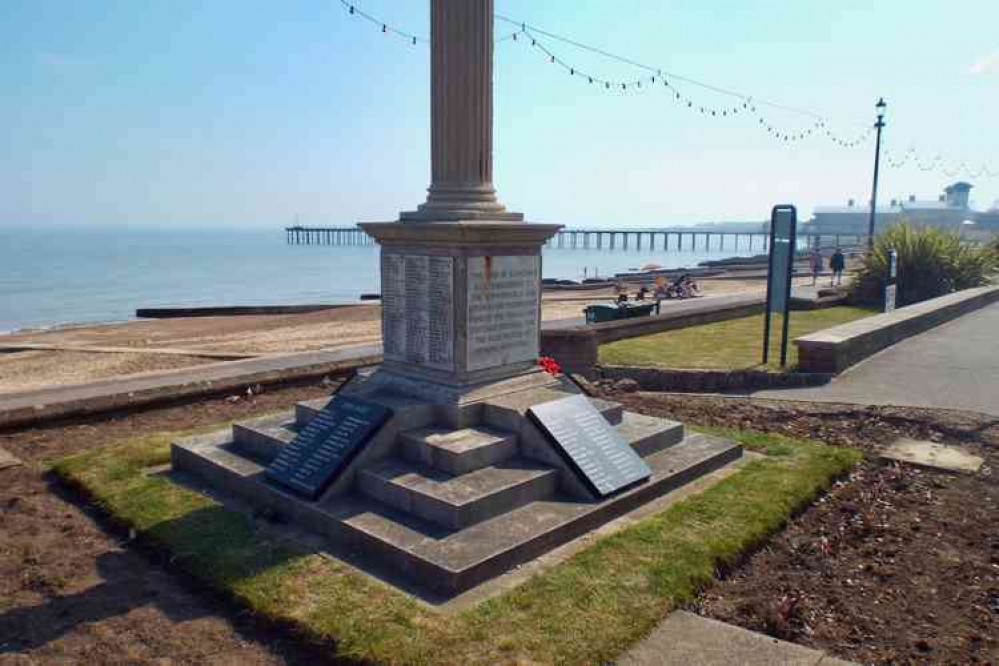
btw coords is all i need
(590, 444)
(324, 447)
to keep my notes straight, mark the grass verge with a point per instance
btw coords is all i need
(728, 345)
(587, 609)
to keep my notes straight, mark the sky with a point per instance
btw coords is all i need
(257, 113)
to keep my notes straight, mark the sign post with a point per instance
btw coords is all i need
(783, 241)
(891, 287)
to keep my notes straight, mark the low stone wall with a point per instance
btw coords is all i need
(836, 349)
(708, 381)
(576, 348)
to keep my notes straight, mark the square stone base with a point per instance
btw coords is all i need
(457, 488)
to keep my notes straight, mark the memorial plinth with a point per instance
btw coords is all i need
(461, 301)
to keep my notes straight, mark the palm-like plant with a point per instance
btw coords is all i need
(931, 262)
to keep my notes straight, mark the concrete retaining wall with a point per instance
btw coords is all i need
(836, 349)
(576, 348)
(21, 409)
(709, 381)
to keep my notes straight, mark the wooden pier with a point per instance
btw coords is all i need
(666, 240)
(327, 236)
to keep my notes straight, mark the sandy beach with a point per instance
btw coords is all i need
(163, 344)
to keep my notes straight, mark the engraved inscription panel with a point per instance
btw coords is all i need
(418, 309)
(503, 307)
(326, 445)
(440, 301)
(591, 445)
(394, 306)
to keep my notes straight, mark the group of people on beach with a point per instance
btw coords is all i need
(682, 287)
(837, 264)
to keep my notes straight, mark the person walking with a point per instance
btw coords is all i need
(837, 263)
(815, 259)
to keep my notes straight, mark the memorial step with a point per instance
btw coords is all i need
(450, 563)
(458, 451)
(457, 502)
(263, 438)
(307, 410)
(649, 434)
(612, 411)
(507, 411)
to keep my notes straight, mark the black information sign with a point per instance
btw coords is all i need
(783, 241)
(590, 444)
(326, 445)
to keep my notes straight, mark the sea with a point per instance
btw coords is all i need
(58, 277)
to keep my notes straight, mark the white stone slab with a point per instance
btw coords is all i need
(504, 300)
(933, 455)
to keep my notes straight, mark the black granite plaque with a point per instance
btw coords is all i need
(326, 445)
(590, 444)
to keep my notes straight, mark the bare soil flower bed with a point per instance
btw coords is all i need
(895, 565)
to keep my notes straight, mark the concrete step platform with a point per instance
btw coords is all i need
(424, 556)
(262, 438)
(458, 451)
(456, 502)
(309, 409)
(649, 434)
(450, 562)
(508, 411)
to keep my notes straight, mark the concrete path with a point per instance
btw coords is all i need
(953, 366)
(25, 407)
(685, 638)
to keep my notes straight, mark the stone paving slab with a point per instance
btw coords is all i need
(7, 460)
(932, 455)
(685, 638)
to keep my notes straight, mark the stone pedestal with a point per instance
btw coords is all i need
(461, 301)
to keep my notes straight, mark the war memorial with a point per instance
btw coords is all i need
(459, 457)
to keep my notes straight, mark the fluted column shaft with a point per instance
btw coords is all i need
(461, 114)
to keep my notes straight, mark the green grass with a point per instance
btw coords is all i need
(728, 345)
(588, 609)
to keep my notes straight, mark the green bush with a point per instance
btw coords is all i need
(931, 262)
(993, 247)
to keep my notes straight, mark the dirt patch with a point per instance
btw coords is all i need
(70, 592)
(894, 565)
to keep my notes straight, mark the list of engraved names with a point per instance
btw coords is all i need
(418, 309)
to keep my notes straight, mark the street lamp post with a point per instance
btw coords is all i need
(880, 106)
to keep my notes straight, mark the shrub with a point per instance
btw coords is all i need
(931, 262)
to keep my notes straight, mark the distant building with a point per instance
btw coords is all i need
(950, 210)
(989, 220)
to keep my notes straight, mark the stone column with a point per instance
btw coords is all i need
(461, 115)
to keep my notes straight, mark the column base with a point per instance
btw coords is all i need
(425, 214)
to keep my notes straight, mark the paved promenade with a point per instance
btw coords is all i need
(954, 366)
(25, 407)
